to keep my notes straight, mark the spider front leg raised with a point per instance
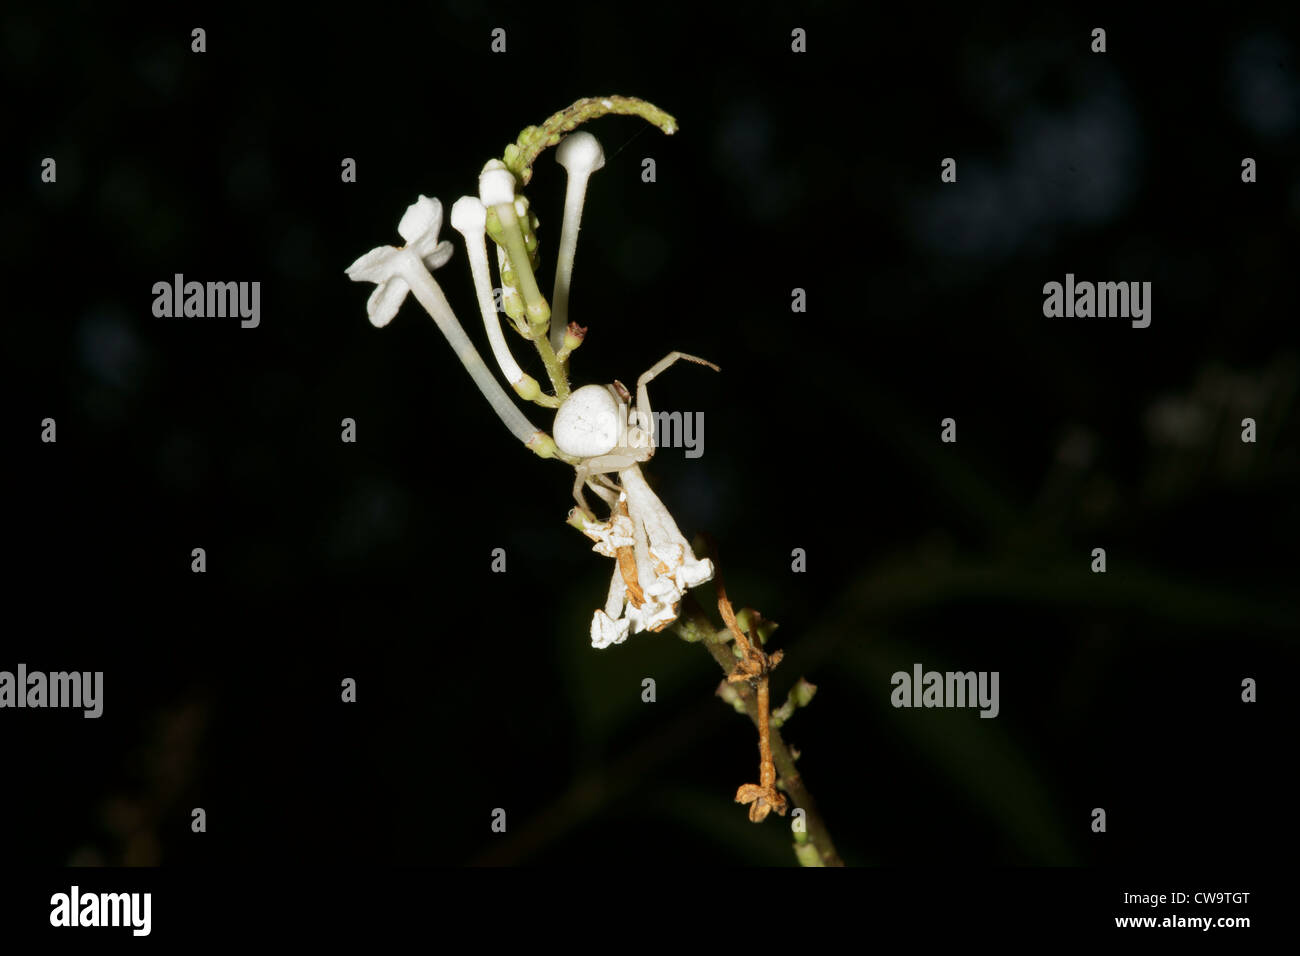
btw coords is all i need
(643, 415)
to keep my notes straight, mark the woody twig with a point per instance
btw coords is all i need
(753, 667)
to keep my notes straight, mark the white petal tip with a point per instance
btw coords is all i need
(693, 574)
(439, 256)
(421, 217)
(385, 301)
(374, 266)
(656, 614)
(469, 216)
(606, 631)
(496, 185)
(580, 153)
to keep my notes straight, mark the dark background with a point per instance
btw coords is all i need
(480, 690)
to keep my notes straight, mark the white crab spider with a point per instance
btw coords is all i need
(591, 427)
(654, 566)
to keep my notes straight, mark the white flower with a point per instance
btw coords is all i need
(671, 551)
(580, 155)
(419, 227)
(396, 272)
(650, 550)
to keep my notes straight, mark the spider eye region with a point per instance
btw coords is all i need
(587, 424)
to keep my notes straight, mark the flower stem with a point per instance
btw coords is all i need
(555, 369)
(694, 625)
(520, 155)
(429, 294)
(539, 312)
(471, 226)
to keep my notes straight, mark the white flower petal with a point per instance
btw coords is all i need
(420, 226)
(421, 217)
(386, 300)
(606, 631)
(609, 535)
(375, 266)
(668, 551)
(439, 256)
(686, 571)
(652, 615)
(649, 510)
(496, 184)
(617, 594)
(468, 215)
(692, 574)
(646, 569)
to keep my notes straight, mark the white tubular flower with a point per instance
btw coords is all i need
(396, 272)
(617, 534)
(419, 227)
(609, 626)
(669, 549)
(580, 155)
(648, 547)
(469, 218)
(496, 184)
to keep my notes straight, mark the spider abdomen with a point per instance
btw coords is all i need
(587, 424)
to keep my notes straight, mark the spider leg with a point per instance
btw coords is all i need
(644, 417)
(592, 471)
(607, 489)
(578, 482)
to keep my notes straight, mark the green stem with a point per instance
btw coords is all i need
(555, 369)
(539, 312)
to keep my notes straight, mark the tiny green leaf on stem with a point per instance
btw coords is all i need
(801, 695)
(727, 691)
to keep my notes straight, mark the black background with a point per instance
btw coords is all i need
(479, 690)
